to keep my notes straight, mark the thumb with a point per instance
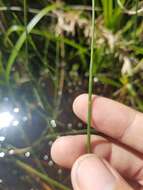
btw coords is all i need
(91, 173)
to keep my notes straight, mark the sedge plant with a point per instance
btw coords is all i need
(90, 87)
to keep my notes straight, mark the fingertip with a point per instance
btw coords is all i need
(78, 102)
(54, 150)
(80, 105)
(90, 172)
(63, 152)
(86, 169)
(57, 151)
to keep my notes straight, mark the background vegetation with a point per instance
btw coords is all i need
(44, 64)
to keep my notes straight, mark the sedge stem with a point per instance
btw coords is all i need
(90, 86)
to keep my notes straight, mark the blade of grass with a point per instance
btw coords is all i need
(129, 12)
(108, 10)
(18, 9)
(20, 28)
(136, 19)
(27, 67)
(25, 25)
(43, 177)
(49, 36)
(91, 81)
(22, 38)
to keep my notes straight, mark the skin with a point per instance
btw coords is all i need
(116, 162)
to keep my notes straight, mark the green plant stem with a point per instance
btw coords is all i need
(26, 41)
(27, 68)
(17, 9)
(42, 139)
(43, 177)
(136, 18)
(90, 87)
(22, 38)
(61, 80)
(108, 9)
(49, 36)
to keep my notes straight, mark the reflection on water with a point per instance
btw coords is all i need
(2, 139)
(11, 152)
(24, 129)
(53, 123)
(9, 115)
(46, 157)
(15, 123)
(6, 119)
(16, 110)
(2, 154)
(27, 154)
(25, 118)
(12, 120)
(50, 163)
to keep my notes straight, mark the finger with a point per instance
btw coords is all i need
(66, 150)
(113, 119)
(89, 172)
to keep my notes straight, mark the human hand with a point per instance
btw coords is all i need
(119, 155)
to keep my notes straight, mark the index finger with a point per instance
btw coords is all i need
(113, 119)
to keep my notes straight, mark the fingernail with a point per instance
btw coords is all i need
(90, 173)
(80, 106)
